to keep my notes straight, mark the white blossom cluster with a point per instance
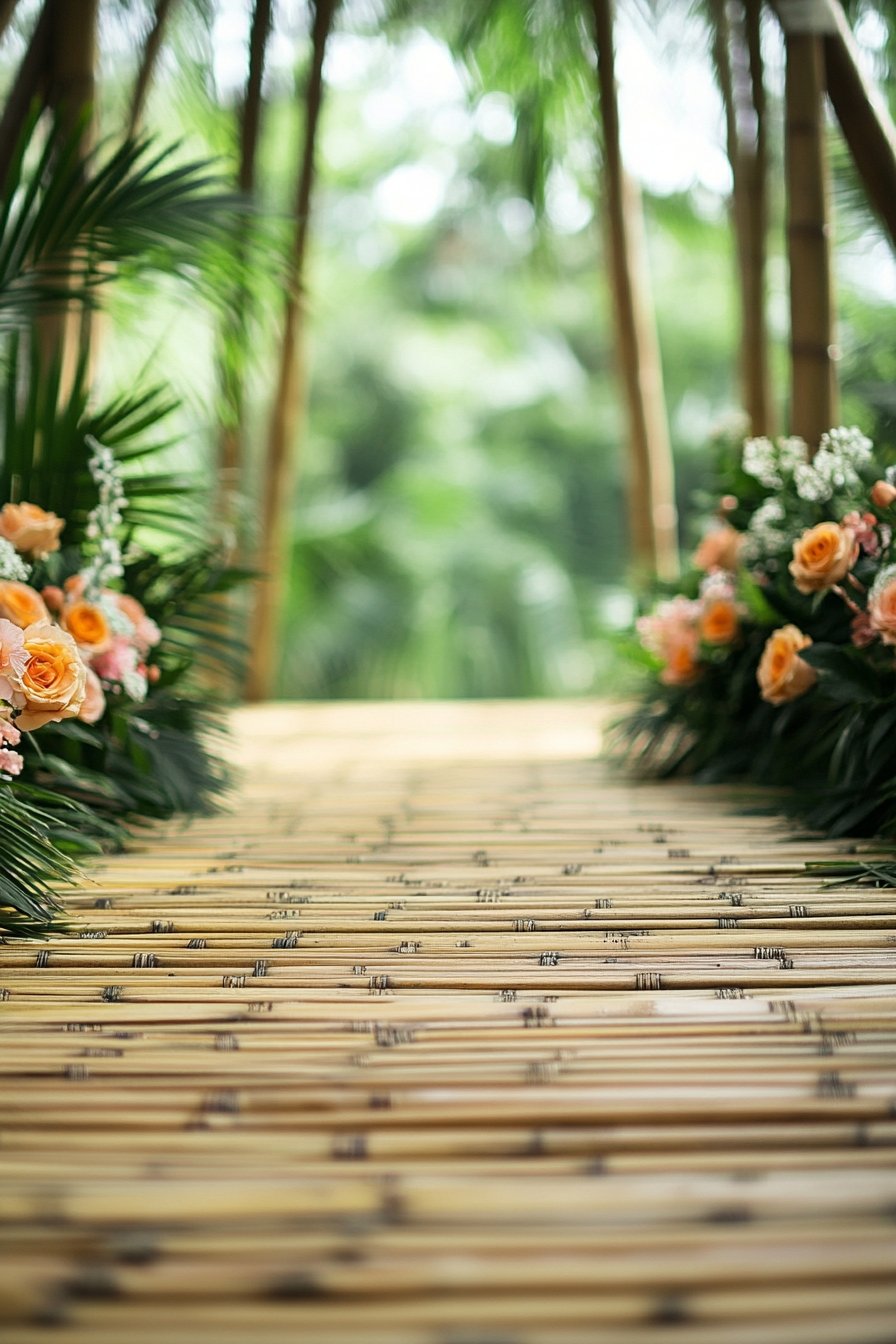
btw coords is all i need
(103, 519)
(767, 531)
(769, 463)
(834, 467)
(12, 566)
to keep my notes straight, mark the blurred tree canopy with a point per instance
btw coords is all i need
(459, 527)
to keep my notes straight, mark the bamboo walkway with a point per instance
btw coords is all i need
(445, 1036)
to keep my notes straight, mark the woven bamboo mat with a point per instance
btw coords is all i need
(443, 1035)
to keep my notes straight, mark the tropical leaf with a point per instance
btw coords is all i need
(32, 866)
(69, 225)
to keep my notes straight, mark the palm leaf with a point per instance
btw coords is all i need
(69, 225)
(31, 864)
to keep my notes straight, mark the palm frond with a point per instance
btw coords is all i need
(32, 865)
(68, 226)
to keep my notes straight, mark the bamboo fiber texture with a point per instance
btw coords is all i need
(443, 1034)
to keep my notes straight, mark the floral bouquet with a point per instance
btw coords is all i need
(95, 732)
(777, 664)
(63, 650)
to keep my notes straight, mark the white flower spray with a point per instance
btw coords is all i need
(103, 520)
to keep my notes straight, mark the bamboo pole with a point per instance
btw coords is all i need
(739, 66)
(813, 407)
(281, 458)
(232, 358)
(62, 334)
(651, 494)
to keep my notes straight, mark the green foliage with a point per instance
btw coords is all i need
(33, 863)
(68, 224)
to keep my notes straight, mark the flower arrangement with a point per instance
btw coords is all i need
(65, 650)
(98, 726)
(777, 661)
(114, 644)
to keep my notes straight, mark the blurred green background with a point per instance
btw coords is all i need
(458, 528)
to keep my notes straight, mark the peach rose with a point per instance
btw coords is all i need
(882, 605)
(719, 622)
(53, 683)
(21, 604)
(30, 529)
(88, 626)
(94, 704)
(882, 494)
(782, 674)
(681, 666)
(719, 549)
(823, 556)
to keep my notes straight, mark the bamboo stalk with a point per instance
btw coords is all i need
(813, 407)
(651, 496)
(281, 458)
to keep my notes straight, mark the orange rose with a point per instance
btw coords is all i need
(823, 556)
(719, 549)
(21, 604)
(719, 622)
(53, 683)
(782, 674)
(882, 605)
(30, 529)
(88, 626)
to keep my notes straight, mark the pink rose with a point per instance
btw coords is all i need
(117, 661)
(864, 528)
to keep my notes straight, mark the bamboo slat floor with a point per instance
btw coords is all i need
(444, 1035)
